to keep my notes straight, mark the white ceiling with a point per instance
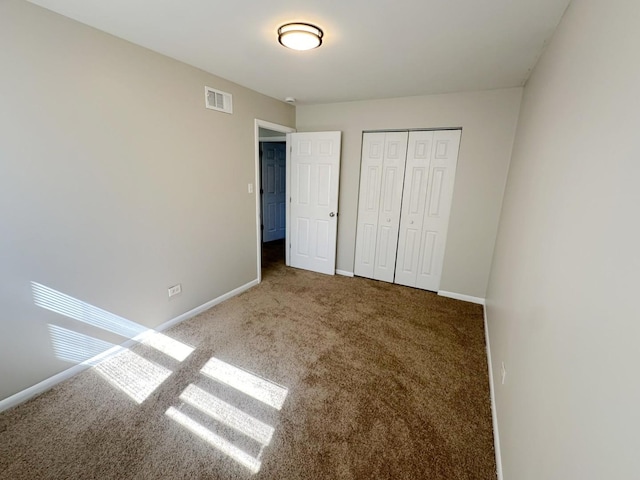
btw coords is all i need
(371, 49)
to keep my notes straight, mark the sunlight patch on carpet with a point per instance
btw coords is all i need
(167, 345)
(134, 375)
(227, 414)
(223, 420)
(259, 388)
(214, 440)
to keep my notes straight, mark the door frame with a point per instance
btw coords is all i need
(409, 130)
(258, 182)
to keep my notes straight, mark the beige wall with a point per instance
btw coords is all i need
(488, 121)
(115, 183)
(562, 300)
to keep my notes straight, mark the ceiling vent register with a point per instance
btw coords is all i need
(218, 100)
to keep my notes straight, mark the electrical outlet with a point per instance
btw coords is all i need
(503, 373)
(176, 289)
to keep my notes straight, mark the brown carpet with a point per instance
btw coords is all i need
(381, 382)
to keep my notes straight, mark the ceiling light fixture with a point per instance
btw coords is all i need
(300, 36)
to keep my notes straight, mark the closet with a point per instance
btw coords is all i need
(406, 187)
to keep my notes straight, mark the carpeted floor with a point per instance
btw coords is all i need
(305, 376)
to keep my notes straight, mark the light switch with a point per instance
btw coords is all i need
(250, 188)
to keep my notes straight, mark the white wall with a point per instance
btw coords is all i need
(488, 121)
(562, 306)
(115, 183)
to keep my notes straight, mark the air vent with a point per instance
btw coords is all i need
(218, 100)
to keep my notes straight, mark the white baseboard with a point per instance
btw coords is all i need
(344, 273)
(460, 296)
(50, 382)
(494, 413)
(26, 394)
(207, 306)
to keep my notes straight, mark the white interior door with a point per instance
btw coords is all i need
(315, 175)
(413, 206)
(369, 203)
(395, 153)
(273, 190)
(380, 198)
(442, 172)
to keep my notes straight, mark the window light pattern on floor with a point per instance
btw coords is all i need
(214, 440)
(259, 388)
(129, 372)
(134, 375)
(228, 414)
(221, 412)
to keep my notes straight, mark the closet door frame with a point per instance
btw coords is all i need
(417, 224)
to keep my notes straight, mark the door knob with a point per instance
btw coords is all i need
(332, 214)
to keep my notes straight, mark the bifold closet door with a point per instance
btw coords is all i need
(428, 189)
(413, 205)
(381, 179)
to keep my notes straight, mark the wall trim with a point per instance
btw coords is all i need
(492, 391)
(344, 273)
(460, 296)
(41, 387)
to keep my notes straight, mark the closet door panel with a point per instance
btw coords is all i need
(406, 187)
(395, 152)
(369, 203)
(416, 184)
(442, 173)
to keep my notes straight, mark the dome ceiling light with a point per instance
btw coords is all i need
(300, 36)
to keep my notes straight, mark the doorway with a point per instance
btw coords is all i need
(312, 174)
(271, 207)
(272, 198)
